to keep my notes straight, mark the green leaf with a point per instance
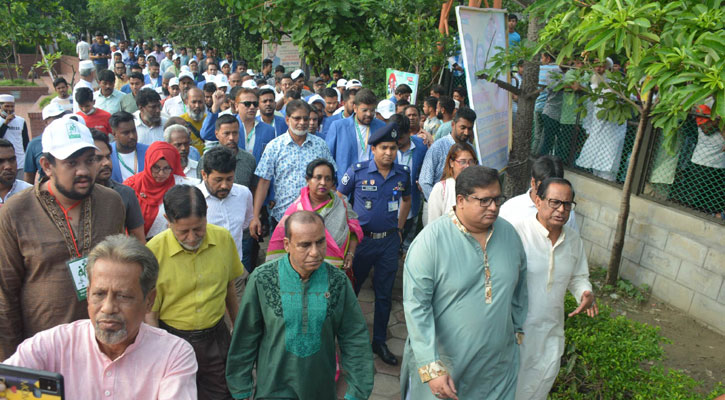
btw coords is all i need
(599, 41)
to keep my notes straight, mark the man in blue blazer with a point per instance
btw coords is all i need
(348, 138)
(266, 112)
(253, 135)
(127, 154)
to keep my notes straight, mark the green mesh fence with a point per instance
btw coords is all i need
(693, 176)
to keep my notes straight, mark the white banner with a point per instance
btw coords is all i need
(481, 30)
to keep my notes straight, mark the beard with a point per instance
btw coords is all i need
(184, 161)
(296, 132)
(72, 193)
(110, 337)
(154, 120)
(190, 248)
(104, 171)
(196, 116)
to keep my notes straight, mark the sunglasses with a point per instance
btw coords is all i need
(249, 103)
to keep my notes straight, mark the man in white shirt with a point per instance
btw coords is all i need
(556, 261)
(9, 184)
(176, 106)
(86, 71)
(229, 204)
(180, 137)
(523, 206)
(83, 49)
(149, 122)
(13, 129)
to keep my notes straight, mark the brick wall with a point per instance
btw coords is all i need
(680, 256)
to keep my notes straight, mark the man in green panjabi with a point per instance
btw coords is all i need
(293, 310)
(465, 299)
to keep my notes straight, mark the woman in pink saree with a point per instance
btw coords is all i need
(342, 228)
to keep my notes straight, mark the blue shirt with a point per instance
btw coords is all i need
(126, 88)
(100, 49)
(284, 162)
(413, 158)
(147, 80)
(375, 199)
(32, 156)
(514, 39)
(543, 81)
(435, 159)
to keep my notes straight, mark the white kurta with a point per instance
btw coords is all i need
(550, 271)
(442, 198)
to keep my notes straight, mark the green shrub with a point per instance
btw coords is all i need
(46, 100)
(16, 82)
(617, 358)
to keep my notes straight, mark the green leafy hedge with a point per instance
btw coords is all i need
(616, 358)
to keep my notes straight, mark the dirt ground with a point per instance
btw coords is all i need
(695, 349)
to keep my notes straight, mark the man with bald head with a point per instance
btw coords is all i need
(293, 310)
(235, 80)
(194, 115)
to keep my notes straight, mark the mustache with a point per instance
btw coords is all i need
(109, 317)
(82, 178)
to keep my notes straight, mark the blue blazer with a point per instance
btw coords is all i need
(341, 139)
(116, 173)
(327, 122)
(264, 134)
(418, 156)
(147, 80)
(280, 125)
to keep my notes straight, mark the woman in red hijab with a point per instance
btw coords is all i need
(163, 166)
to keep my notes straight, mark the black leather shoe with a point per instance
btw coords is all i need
(381, 349)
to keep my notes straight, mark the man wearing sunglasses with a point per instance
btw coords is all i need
(465, 298)
(556, 261)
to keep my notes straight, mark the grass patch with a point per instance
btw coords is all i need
(617, 358)
(16, 82)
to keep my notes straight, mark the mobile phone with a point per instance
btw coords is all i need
(25, 383)
(3, 114)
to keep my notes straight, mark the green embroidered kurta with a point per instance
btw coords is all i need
(448, 318)
(289, 327)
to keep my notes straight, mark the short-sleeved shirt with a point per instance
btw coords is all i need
(444, 129)
(100, 49)
(134, 218)
(98, 120)
(192, 286)
(32, 156)
(112, 103)
(285, 162)
(375, 199)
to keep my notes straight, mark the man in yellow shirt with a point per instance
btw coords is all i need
(198, 263)
(194, 115)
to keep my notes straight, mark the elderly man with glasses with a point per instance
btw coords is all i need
(556, 262)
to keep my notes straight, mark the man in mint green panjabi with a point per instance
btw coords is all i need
(465, 299)
(292, 311)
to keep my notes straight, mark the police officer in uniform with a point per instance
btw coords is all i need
(379, 190)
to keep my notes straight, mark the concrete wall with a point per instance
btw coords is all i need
(680, 256)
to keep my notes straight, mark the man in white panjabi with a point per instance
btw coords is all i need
(556, 261)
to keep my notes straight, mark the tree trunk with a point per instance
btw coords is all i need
(124, 29)
(517, 170)
(616, 257)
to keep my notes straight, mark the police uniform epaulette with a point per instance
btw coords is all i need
(358, 166)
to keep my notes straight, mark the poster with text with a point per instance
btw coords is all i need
(481, 31)
(395, 78)
(284, 53)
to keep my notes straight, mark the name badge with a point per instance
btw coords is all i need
(368, 204)
(368, 188)
(393, 206)
(77, 268)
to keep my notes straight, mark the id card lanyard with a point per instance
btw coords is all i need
(77, 265)
(363, 139)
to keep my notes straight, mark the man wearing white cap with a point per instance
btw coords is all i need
(167, 62)
(34, 151)
(176, 106)
(173, 89)
(385, 110)
(175, 65)
(86, 71)
(48, 232)
(13, 129)
(298, 77)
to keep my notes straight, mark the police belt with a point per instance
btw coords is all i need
(193, 336)
(380, 235)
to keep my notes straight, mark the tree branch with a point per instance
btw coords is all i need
(503, 85)
(625, 98)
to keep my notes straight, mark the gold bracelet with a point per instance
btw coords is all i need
(431, 371)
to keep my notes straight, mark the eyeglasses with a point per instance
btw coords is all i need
(249, 103)
(486, 201)
(465, 163)
(298, 119)
(156, 169)
(554, 204)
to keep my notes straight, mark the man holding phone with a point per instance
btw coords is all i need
(13, 129)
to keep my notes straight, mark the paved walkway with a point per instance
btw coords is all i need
(387, 377)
